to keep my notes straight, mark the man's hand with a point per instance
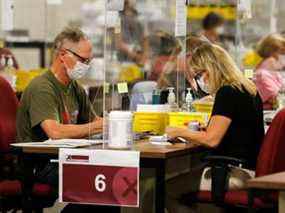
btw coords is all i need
(97, 125)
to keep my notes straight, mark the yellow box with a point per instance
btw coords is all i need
(206, 107)
(25, 77)
(180, 119)
(154, 122)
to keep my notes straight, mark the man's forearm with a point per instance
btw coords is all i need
(77, 131)
(59, 131)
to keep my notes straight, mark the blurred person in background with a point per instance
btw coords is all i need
(268, 78)
(213, 27)
(179, 69)
(6, 55)
(132, 43)
(164, 48)
(8, 66)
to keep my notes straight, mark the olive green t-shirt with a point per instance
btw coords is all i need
(47, 99)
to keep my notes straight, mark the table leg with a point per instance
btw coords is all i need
(160, 187)
(281, 202)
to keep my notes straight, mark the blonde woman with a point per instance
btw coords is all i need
(236, 126)
(268, 78)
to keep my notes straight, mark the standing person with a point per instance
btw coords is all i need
(54, 105)
(213, 27)
(132, 43)
(236, 126)
(269, 81)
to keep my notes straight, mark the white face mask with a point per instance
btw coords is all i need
(282, 59)
(220, 30)
(78, 71)
(203, 86)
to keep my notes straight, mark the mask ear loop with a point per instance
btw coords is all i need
(64, 63)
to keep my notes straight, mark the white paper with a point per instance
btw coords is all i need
(62, 143)
(54, 2)
(115, 5)
(112, 18)
(102, 157)
(181, 18)
(153, 108)
(7, 15)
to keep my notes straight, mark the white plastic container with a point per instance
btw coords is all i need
(120, 130)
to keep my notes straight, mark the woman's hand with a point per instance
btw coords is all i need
(174, 132)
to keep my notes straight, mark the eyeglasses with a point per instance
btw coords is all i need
(199, 74)
(82, 59)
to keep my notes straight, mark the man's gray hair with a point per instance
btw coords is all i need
(72, 34)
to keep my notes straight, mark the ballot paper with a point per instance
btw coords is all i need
(62, 143)
(159, 140)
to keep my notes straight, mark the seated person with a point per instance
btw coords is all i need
(7, 54)
(180, 66)
(268, 78)
(236, 126)
(8, 60)
(213, 27)
(164, 48)
(55, 106)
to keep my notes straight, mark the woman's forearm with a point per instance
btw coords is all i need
(199, 137)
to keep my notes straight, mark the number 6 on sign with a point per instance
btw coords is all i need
(103, 177)
(100, 184)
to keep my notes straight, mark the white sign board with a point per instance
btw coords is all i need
(115, 5)
(54, 2)
(112, 18)
(181, 18)
(106, 177)
(7, 15)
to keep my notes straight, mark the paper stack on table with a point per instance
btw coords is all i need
(61, 143)
(159, 140)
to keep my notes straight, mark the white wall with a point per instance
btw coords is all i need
(44, 20)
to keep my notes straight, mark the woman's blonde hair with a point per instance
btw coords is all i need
(221, 67)
(270, 44)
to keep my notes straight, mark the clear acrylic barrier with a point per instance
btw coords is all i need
(143, 55)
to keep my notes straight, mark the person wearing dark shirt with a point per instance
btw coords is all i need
(213, 27)
(236, 126)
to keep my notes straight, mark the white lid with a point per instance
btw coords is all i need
(121, 114)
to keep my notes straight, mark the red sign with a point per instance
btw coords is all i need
(100, 185)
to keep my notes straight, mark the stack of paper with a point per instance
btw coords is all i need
(62, 143)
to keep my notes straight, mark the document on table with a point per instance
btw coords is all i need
(61, 143)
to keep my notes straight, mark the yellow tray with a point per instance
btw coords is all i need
(206, 107)
(179, 119)
(154, 122)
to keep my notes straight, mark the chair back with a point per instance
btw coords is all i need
(271, 158)
(8, 111)
(142, 93)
